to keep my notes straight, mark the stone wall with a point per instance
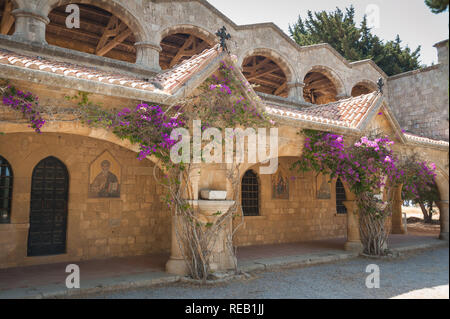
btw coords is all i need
(303, 217)
(420, 98)
(134, 224)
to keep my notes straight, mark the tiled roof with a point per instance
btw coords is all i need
(165, 82)
(421, 139)
(348, 113)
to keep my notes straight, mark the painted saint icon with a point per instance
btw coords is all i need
(280, 186)
(106, 184)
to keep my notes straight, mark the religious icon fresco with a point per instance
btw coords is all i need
(104, 177)
(280, 185)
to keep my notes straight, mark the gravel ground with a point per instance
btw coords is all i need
(422, 275)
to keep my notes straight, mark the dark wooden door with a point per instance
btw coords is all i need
(48, 209)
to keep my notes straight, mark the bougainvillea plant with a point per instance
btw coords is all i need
(25, 103)
(368, 167)
(419, 185)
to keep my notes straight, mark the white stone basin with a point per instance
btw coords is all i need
(213, 195)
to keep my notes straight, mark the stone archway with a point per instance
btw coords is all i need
(114, 7)
(268, 71)
(101, 32)
(322, 86)
(181, 42)
(363, 87)
(76, 128)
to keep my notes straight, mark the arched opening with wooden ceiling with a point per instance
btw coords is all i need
(362, 88)
(100, 32)
(6, 17)
(319, 88)
(266, 75)
(177, 47)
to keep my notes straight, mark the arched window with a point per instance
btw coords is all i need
(250, 194)
(340, 197)
(6, 184)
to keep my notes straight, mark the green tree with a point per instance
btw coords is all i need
(339, 29)
(437, 6)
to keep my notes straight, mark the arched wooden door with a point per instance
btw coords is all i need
(48, 208)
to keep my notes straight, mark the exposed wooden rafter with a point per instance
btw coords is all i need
(190, 47)
(281, 89)
(115, 33)
(7, 18)
(265, 73)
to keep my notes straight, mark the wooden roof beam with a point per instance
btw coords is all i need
(118, 31)
(7, 18)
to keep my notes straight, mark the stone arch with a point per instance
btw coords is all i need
(180, 42)
(268, 70)
(190, 29)
(363, 87)
(72, 128)
(327, 84)
(113, 6)
(274, 55)
(107, 28)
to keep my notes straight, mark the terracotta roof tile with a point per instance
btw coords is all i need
(348, 113)
(169, 80)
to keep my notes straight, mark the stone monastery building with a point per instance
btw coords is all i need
(159, 51)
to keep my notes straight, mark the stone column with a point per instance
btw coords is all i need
(443, 210)
(176, 264)
(397, 216)
(30, 25)
(295, 91)
(147, 54)
(353, 237)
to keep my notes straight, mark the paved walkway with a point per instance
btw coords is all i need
(119, 273)
(422, 275)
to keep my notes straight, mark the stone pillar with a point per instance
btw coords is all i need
(353, 237)
(176, 264)
(397, 216)
(443, 210)
(30, 25)
(147, 54)
(295, 91)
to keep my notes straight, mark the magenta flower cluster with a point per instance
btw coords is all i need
(149, 126)
(366, 165)
(27, 104)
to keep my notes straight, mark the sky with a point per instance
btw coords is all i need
(411, 19)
